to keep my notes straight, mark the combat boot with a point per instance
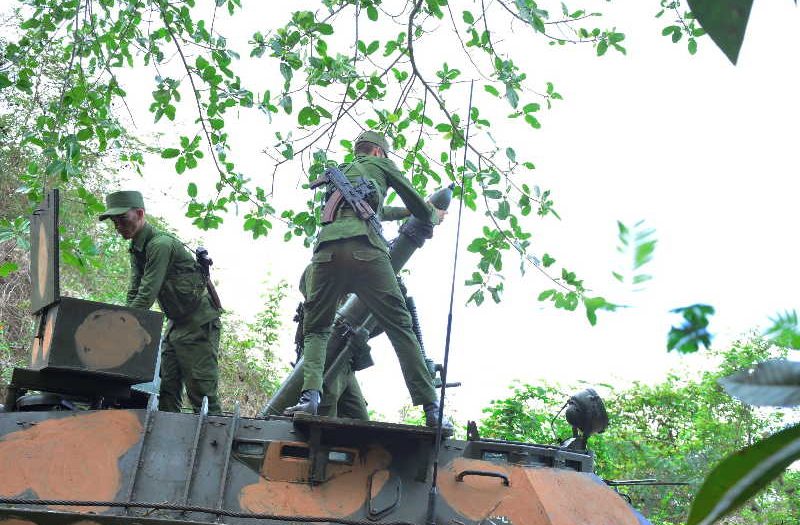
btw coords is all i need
(432, 418)
(309, 403)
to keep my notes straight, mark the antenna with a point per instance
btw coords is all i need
(443, 389)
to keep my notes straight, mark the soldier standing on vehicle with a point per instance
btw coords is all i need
(163, 269)
(351, 256)
(343, 397)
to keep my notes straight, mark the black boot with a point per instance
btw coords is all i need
(309, 403)
(432, 418)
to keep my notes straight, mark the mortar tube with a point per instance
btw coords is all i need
(354, 313)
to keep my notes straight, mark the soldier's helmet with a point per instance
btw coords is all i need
(120, 202)
(373, 137)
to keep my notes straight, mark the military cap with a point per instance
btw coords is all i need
(376, 138)
(120, 202)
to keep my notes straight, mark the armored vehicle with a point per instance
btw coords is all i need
(80, 444)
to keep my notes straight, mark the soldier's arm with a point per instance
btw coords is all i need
(133, 286)
(394, 213)
(414, 202)
(159, 254)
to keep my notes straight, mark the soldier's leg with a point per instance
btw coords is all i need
(351, 402)
(324, 287)
(197, 352)
(170, 395)
(376, 285)
(333, 389)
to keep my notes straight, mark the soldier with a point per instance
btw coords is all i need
(343, 397)
(163, 269)
(351, 257)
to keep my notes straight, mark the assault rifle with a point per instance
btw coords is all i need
(205, 262)
(354, 196)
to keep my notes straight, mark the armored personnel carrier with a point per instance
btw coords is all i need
(80, 444)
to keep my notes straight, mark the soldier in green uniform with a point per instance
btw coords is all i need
(163, 269)
(343, 397)
(351, 257)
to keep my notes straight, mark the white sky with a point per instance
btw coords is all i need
(701, 150)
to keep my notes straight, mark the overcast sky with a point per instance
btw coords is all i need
(703, 151)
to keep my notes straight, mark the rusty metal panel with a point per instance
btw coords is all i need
(374, 476)
(97, 337)
(44, 253)
(68, 455)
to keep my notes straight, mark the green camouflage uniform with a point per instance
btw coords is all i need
(351, 257)
(163, 269)
(343, 396)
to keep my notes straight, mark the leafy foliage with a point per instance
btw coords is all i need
(675, 430)
(325, 79)
(744, 473)
(247, 364)
(687, 337)
(725, 24)
(785, 330)
(636, 244)
(683, 24)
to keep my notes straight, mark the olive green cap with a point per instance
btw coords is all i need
(376, 138)
(120, 202)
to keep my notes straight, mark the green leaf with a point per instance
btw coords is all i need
(325, 29)
(85, 134)
(217, 123)
(644, 253)
(741, 475)
(512, 96)
(692, 46)
(372, 13)
(547, 260)
(286, 104)
(546, 295)
(533, 121)
(593, 304)
(491, 90)
(532, 107)
(503, 210)
(687, 337)
(476, 279)
(602, 47)
(191, 190)
(772, 383)
(511, 154)
(170, 153)
(468, 17)
(7, 268)
(725, 23)
(637, 245)
(4, 81)
(308, 117)
(785, 330)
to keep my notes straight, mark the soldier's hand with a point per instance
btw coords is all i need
(440, 214)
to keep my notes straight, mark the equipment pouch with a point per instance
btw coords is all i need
(181, 294)
(361, 351)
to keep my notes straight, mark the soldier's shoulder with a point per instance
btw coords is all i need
(164, 239)
(383, 163)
